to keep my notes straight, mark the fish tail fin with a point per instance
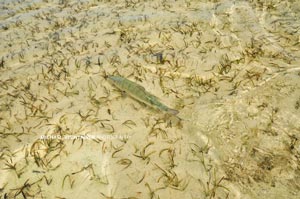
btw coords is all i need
(173, 111)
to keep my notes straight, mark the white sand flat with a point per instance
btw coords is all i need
(231, 68)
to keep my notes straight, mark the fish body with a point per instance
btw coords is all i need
(139, 93)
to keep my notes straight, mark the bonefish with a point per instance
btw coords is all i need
(139, 93)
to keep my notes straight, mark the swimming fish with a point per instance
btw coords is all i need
(139, 93)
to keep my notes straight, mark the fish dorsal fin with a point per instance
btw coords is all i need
(141, 87)
(135, 84)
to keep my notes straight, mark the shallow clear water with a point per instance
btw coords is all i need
(231, 69)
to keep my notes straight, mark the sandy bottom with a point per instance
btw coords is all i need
(231, 68)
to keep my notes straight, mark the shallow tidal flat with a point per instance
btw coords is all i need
(231, 69)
